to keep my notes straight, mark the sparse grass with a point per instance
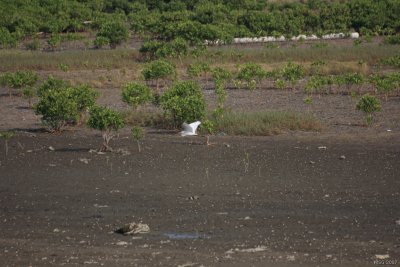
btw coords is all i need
(265, 123)
(147, 118)
(75, 59)
(369, 53)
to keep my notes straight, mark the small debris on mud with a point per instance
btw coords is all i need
(398, 222)
(312, 162)
(84, 160)
(56, 230)
(193, 198)
(322, 147)
(382, 257)
(51, 148)
(290, 257)
(249, 250)
(342, 157)
(100, 206)
(133, 228)
(121, 243)
(173, 235)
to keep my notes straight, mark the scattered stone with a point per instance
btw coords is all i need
(121, 243)
(247, 218)
(29, 151)
(84, 160)
(56, 230)
(52, 165)
(322, 147)
(100, 206)
(290, 257)
(51, 148)
(342, 157)
(382, 257)
(312, 162)
(398, 222)
(249, 250)
(90, 262)
(133, 228)
(388, 130)
(193, 198)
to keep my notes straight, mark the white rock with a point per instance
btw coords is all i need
(382, 257)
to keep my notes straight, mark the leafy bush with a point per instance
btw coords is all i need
(84, 96)
(391, 61)
(158, 69)
(137, 134)
(62, 105)
(292, 73)
(136, 94)
(369, 104)
(101, 41)
(184, 102)
(393, 40)
(57, 108)
(251, 73)
(106, 120)
(115, 31)
(54, 41)
(18, 79)
(52, 84)
(29, 93)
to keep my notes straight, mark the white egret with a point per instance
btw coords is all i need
(190, 129)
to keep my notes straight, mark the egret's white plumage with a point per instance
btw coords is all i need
(190, 129)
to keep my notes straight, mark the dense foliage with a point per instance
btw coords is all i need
(60, 104)
(184, 102)
(135, 94)
(193, 21)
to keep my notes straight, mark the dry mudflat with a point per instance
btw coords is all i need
(314, 199)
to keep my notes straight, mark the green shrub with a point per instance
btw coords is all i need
(29, 93)
(57, 108)
(107, 121)
(158, 70)
(369, 104)
(101, 41)
(135, 94)
(115, 31)
(54, 41)
(251, 73)
(391, 61)
(18, 79)
(292, 73)
(184, 102)
(84, 96)
(137, 134)
(52, 84)
(393, 40)
(60, 105)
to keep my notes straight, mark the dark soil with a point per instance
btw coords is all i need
(260, 201)
(206, 206)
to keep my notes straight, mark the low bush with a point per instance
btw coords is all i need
(18, 79)
(369, 105)
(107, 121)
(184, 102)
(135, 94)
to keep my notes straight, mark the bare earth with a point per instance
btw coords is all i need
(260, 201)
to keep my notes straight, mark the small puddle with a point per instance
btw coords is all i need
(174, 235)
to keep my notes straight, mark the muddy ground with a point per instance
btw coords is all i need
(315, 199)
